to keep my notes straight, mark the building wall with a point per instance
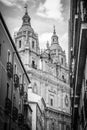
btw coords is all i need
(9, 93)
(78, 55)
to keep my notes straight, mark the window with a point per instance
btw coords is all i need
(14, 100)
(62, 60)
(7, 89)
(51, 102)
(32, 44)
(0, 49)
(62, 76)
(20, 78)
(15, 68)
(19, 43)
(9, 56)
(33, 63)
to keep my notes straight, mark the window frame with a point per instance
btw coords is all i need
(33, 44)
(51, 101)
(19, 44)
(8, 56)
(62, 60)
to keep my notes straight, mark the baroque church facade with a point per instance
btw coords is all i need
(48, 73)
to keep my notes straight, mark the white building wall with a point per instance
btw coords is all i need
(33, 107)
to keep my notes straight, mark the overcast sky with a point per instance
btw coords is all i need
(44, 15)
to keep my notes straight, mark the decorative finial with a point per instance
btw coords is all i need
(26, 6)
(54, 30)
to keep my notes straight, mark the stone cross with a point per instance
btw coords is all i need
(26, 6)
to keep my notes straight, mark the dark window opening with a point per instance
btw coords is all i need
(62, 60)
(86, 82)
(51, 102)
(20, 44)
(15, 69)
(33, 64)
(9, 56)
(63, 76)
(7, 89)
(20, 79)
(32, 44)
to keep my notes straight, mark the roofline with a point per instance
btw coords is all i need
(5, 26)
(58, 111)
(29, 107)
(31, 102)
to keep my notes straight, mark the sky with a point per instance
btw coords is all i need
(44, 15)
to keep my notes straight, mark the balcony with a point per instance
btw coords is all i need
(9, 69)
(15, 113)
(8, 105)
(20, 119)
(16, 80)
(21, 89)
(25, 97)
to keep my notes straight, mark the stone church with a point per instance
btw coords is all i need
(48, 73)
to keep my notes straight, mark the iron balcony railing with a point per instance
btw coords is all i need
(9, 69)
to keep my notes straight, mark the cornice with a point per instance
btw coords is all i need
(43, 76)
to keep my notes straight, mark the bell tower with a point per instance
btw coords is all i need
(26, 41)
(26, 18)
(54, 38)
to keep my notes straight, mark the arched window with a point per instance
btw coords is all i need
(15, 69)
(33, 63)
(19, 43)
(51, 102)
(63, 77)
(9, 56)
(62, 61)
(7, 89)
(33, 44)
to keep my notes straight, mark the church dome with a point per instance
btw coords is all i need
(26, 26)
(54, 43)
(56, 46)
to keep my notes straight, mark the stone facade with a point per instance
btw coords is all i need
(14, 83)
(48, 73)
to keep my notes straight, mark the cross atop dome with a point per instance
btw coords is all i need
(26, 18)
(54, 32)
(26, 7)
(54, 36)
